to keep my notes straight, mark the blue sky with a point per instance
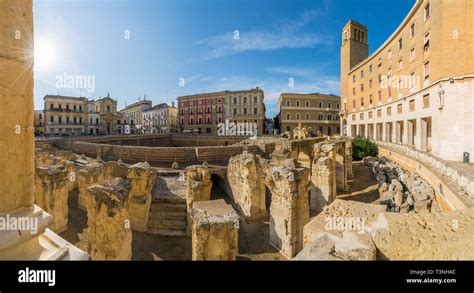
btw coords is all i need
(136, 47)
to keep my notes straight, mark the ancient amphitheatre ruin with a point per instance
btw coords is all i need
(187, 197)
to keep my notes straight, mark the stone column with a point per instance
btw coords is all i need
(341, 171)
(323, 177)
(90, 175)
(142, 178)
(215, 231)
(16, 112)
(198, 188)
(108, 235)
(51, 192)
(349, 157)
(247, 185)
(289, 210)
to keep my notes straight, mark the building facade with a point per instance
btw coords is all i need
(203, 112)
(107, 110)
(417, 88)
(39, 122)
(64, 115)
(130, 118)
(318, 111)
(161, 118)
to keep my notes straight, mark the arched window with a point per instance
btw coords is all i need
(337, 117)
(307, 116)
(307, 104)
(329, 104)
(320, 104)
(297, 116)
(297, 103)
(329, 117)
(288, 103)
(320, 116)
(337, 106)
(288, 116)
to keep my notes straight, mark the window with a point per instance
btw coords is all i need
(400, 44)
(412, 31)
(370, 115)
(307, 116)
(245, 100)
(329, 117)
(337, 105)
(361, 116)
(255, 111)
(320, 116)
(370, 100)
(380, 62)
(412, 80)
(380, 97)
(389, 111)
(297, 116)
(337, 117)
(245, 111)
(288, 116)
(389, 54)
(353, 91)
(411, 105)
(380, 77)
(362, 74)
(288, 103)
(307, 104)
(426, 41)
(60, 120)
(400, 64)
(235, 100)
(235, 111)
(379, 113)
(412, 54)
(427, 70)
(255, 100)
(329, 105)
(297, 103)
(426, 101)
(362, 102)
(353, 104)
(320, 104)
(370, 68)
(361, 87)
(354, 78)
(370, 83)
(51, 106)
(399, 108)
(354, 117)
(427, 11)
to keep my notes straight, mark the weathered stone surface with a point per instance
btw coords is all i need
(108, 235)
(247, 185)
(215, 231)
(323, 177)
(289, 209)
(51, 194)
(142, 178)
(91, 174)
(198, 188)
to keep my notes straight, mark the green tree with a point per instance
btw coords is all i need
(363, 147)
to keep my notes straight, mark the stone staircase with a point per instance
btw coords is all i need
(168, 207)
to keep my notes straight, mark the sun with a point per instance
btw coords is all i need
(45, 55)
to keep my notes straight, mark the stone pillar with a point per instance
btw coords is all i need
(247, 185)
(214, 231)
(348, 150)
(142, 178)
(17, 144)
(341, 171)
(34, 241)
(51, 192)
(289, 210)
(90, 175)
(198, 188)
(323, 177)
(108, 235)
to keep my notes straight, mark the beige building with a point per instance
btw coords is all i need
(64, 115)
(161, 118)
(417, 88)
(107, 110)
(39, 122)
(247, 107)
(318, 111)
(131, 117)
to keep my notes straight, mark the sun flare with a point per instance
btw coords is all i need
(45, 55)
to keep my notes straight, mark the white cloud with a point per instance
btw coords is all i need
(284, 35)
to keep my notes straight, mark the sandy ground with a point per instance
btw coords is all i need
(363, 187)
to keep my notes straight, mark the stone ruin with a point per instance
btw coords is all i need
(214, 231)
(300, 132)
(198, 188)
(323, 176)
(108, 235)
(247, 185)
(400, 190)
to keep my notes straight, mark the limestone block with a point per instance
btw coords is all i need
(247, 185)
(51, 194)
(142, 178)
(108, 232)
(90, 175)
(289, 209)
(214, 231)
(323, 177)
(198, 188)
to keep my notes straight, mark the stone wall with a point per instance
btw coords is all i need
(142, 179)
(198, 188)
(323, 176)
